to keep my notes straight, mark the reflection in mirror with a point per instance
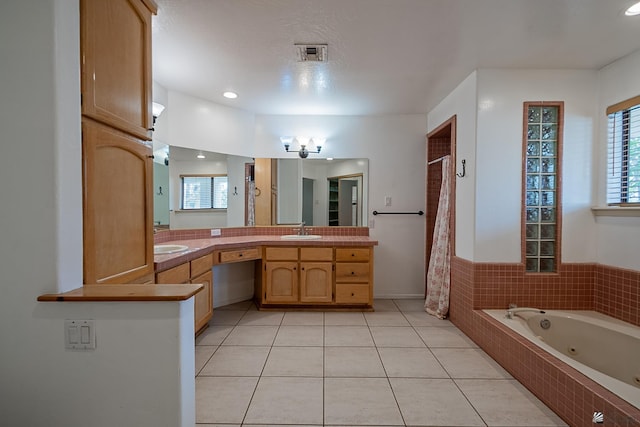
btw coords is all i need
(299, 192)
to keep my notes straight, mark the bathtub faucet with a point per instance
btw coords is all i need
(513, 311)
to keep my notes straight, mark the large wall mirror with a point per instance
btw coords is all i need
(319, 192)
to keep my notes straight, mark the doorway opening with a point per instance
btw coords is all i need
(440, 142)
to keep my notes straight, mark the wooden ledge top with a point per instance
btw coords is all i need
(131, 292)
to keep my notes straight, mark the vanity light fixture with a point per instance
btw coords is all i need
(291, 143)
(156, 110)
(230, 95)
(633, 10)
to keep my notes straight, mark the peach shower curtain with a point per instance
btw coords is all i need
(438, 274)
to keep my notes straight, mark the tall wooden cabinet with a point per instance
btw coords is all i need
(116, 87)
(266, 201)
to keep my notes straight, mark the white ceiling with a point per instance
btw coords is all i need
(385, 56)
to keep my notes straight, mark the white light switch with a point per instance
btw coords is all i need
(387, 200)
(79, 335)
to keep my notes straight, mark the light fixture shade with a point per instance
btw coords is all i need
(633, 10)
(157, 109)
(286, 141)
(303, 140)
(318, 141)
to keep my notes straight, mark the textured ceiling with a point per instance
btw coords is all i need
(385, 56)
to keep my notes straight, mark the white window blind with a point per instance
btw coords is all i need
(623, 153)
(204, 192)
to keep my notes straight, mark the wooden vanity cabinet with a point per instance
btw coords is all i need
(316, 275)
(320, 277)
(280, 275)
(196, 271)
(203, 304)
(354, 276)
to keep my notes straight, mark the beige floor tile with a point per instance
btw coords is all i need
(261, 318)
(433, 402)
(241, 306)
(348, 336)
(344, 319)
(291, 400)
(306, 318)
(360, 401)
(386, 318)
(294, 362)
(251, 335)
(469, 363)
(223, 399)
(352, 362)
(226, 317)
(236, 361)
(411, 363)
(203, 354)
(410, 305)
(444, 337)
(416, 318)
(306, 336)
(217, 425)
(213, 335)
(384, 305)
(395, 336)
(507, 403)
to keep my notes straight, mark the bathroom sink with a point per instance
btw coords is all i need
(298, 237)
(168, 249)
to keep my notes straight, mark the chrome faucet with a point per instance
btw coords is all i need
(302, 231)
(512, 311)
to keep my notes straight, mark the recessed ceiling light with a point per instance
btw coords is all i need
(633, 10)
(230, 95)
(200, 155)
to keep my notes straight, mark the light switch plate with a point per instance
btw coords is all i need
(79, 334)
(215, 232)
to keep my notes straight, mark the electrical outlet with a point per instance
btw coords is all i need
(215, 232)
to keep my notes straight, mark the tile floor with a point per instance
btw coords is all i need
(396, 366)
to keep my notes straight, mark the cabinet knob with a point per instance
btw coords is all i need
(239, 255)
(352, 294)
(353, 272)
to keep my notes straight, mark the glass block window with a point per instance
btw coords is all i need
(542, 143)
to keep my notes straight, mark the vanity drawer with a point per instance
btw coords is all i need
(238, 255)
(316, 254)
(281, 254)
(201, 265)
(352, 254)
(352, 293)
(179, 274)
(352, 272)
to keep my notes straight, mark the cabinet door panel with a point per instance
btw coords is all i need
(316, 282)
(282, 282)
(118, 205)
(116, 64)
(203, 303)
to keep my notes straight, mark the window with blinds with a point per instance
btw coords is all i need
(204, 192)
(623, 153)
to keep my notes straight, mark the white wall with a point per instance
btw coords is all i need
(462, 102)
(618, 237)
(499, 152)
(42, 384)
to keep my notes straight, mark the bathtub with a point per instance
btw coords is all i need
(604, 349)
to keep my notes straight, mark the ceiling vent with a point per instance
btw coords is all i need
(311, 52)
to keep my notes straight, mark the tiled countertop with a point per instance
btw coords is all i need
(200, 247)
